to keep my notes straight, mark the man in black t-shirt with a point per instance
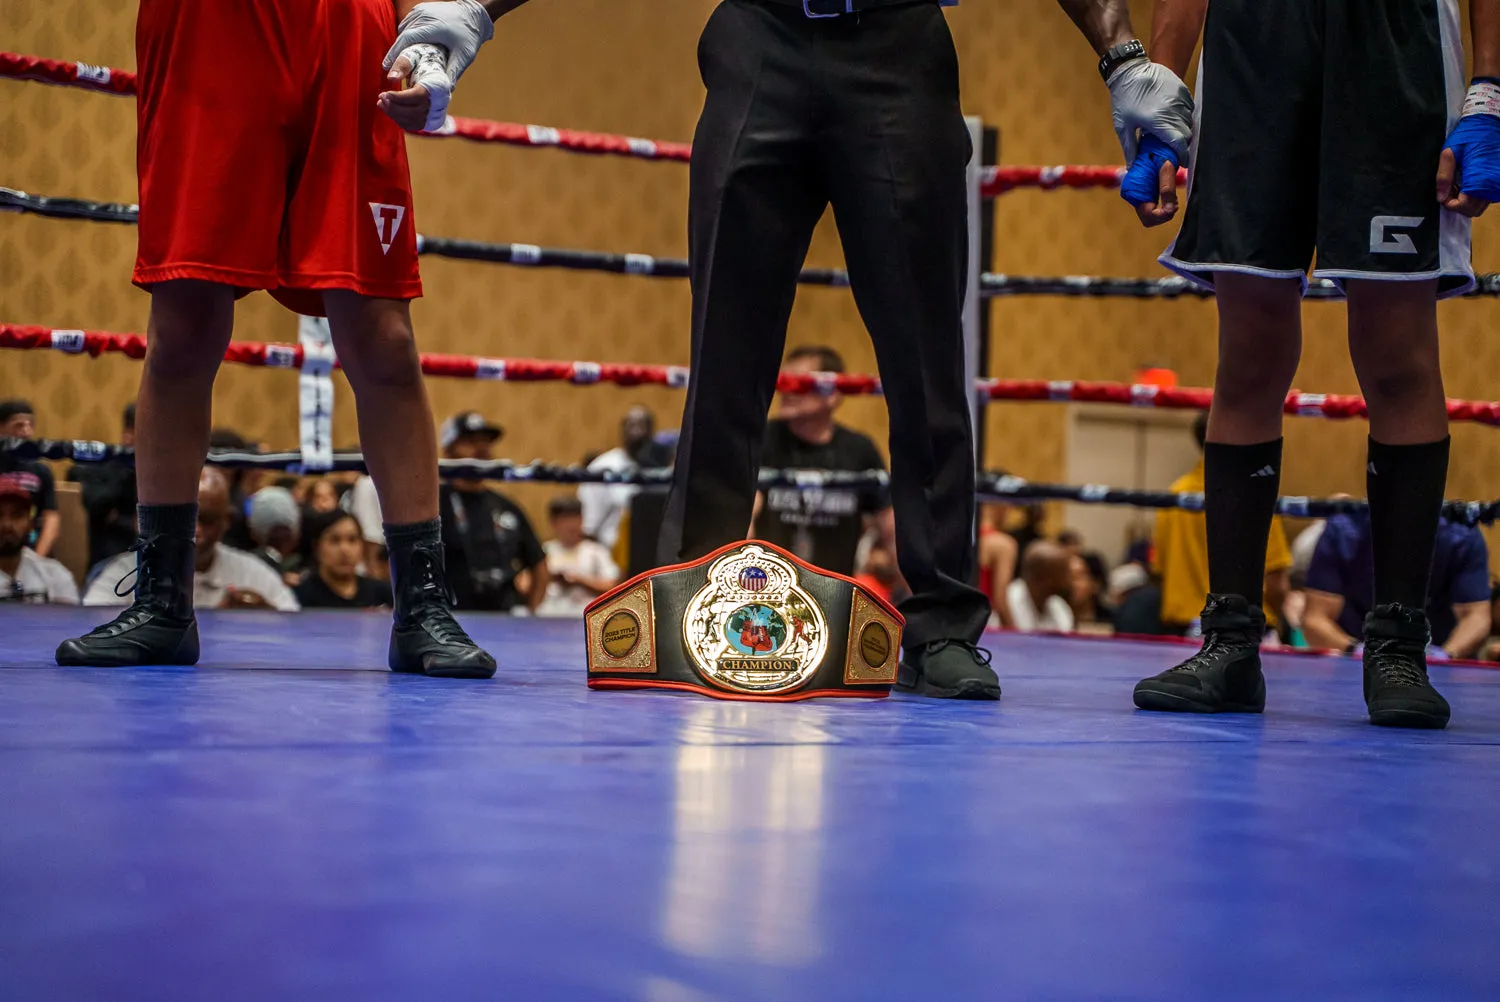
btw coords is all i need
(824, 526)
(495, 560)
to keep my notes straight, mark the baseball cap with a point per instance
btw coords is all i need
(13, 488)
(468, 423)
(270, 508)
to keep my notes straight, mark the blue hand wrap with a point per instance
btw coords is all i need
(1475, 143)
(1142, 182)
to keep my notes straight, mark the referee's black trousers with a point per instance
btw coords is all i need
(860, 111)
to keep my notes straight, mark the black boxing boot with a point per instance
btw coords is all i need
(1223, 677)
(426, 638)
(948, 669)
(1397, 690)
(158, 628)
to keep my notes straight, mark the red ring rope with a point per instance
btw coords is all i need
(516, 370)
(994, 180)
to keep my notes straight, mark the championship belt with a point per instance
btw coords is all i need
(748, 621)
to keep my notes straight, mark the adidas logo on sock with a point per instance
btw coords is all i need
(1264, 471)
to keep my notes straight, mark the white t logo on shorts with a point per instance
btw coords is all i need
(392, 214)
(1393, 243)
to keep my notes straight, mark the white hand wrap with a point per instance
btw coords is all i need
(1483, 99)
(459, 27)
(429, 69)
(1148, 97)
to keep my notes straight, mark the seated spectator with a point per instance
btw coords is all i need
(364, 505)
(18, 420)
(495, 560)
(323, 496)
(605, 505)
(1181, 557)
(275, 524)
(1136, 598)
(1341, 587)
(24, 576)
(581, 569)
(225, 578)
(998, 554)
(334, 581)
(107, 491)
(822, 526)
(1493, 651)
(1039, 597)
(242, 483)
(1087, 598)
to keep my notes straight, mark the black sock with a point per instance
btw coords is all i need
(180, 520)
(1406, 485)
(409, 534)
(1241, 484)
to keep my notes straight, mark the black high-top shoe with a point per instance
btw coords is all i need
(1223, 677)
(158, 627)
(948, 669)
(426, 639)
(1397, 690)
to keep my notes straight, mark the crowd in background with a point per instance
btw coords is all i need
(267, 540)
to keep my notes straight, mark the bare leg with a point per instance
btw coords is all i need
(191, 322)
(376, 347)
(1393, 339)
(190, 326)
(1260, 344)
(374, 341)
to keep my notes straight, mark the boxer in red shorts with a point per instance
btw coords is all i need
(270, 157)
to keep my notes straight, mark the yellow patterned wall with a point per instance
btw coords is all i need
(629, 66)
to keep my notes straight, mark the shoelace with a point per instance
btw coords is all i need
(1214, 641)
(980, 654)
(438, 601)
(134, 576)
(1398, 663)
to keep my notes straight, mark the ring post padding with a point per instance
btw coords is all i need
(316, 393)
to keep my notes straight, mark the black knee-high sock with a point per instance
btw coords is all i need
(1406, 485)
(1240, 490)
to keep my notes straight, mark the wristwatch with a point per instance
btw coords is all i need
(1119, 56)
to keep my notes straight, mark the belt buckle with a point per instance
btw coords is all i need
(807, 9)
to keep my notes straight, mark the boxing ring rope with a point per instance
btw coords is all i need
(991, 485)
(1333, 406)
(991, 285)
(107, 80)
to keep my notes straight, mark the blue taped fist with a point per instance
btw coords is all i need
(1475, 143)
(1142, 182)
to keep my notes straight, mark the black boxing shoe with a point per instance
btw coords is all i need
(1223, 677)
(948, 669)
(158, 627)
(426, 638)
(1398, 692)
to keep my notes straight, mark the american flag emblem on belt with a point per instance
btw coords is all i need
(753, 579)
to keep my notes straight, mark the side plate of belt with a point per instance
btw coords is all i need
(748, 621)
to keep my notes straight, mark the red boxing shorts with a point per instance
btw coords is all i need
(264, 162)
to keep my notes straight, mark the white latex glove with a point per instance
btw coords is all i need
(1148, 97)
(458, 27)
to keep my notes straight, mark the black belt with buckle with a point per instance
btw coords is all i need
(837, 8)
